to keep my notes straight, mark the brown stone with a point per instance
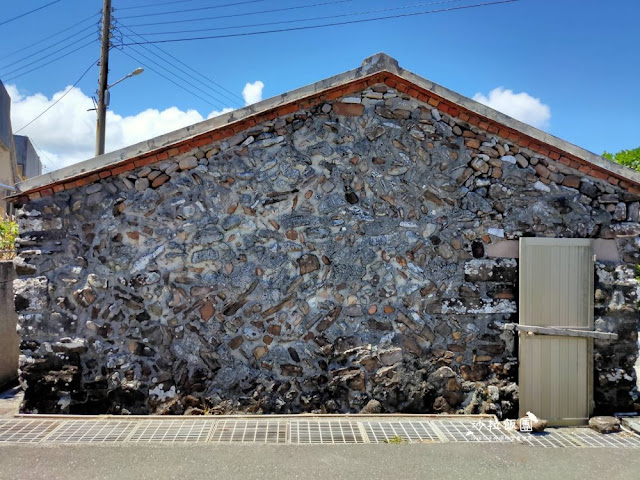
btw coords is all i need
(235, 342)
(472, 143)
(274, 329)
(207, 310)
(160, 180)
(260, 352)
(348, 109)
(542, 170)
(571, 181)
(308, 263)
(474, 373)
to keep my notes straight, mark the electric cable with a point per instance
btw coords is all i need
(45, 56)
(300, 20)
(310, 27)
(66, 30)
(50, 62)
(231, 97)
(58, 100)
(213, 7)
(29, 12)
(167, 78)
(245, 14)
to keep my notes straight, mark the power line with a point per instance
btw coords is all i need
(51, 162)
(58, 100)
(246, 14)
(350, 14)
(156, 4)
(217, 105)
(45, 56)
(231, 97)
(310, 27)
(49, 47)
(29, 12)
(246, 2)
(167, 78)
(50, 62)
(66, 30)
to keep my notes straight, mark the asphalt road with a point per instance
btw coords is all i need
(353, 462)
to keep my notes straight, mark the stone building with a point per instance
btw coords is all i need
(349, 241)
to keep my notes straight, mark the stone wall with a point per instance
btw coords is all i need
(311, 264)
(9, 342)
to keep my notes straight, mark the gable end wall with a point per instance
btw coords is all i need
(316, 261)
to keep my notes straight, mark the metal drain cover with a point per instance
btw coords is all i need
(298, 431)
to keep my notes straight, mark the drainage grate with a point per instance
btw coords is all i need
(579, 437)
(83, 431)
(383, 432)
(550, 438)
(250, 431)
(298, 431)
(172, 431)
(472, 431)
(590, 438)
(324, 432)
(25, 431)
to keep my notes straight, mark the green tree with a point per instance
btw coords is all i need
(628, 158)
(8, 234)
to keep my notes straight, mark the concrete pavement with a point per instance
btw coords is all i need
(353, 462)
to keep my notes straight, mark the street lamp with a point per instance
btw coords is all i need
(104, 98)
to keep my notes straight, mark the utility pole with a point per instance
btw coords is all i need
(104, 77)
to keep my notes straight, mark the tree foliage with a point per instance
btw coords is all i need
(628, 158)
(8, 234)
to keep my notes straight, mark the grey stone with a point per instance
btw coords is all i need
(605, 424)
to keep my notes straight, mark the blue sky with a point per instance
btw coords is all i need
(578, 58)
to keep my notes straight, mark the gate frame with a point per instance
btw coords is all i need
(562, 242)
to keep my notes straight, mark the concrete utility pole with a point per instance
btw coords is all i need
(104, 77)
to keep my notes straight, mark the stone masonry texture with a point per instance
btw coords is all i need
(314, 263)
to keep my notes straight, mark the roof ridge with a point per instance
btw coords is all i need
(331, 88)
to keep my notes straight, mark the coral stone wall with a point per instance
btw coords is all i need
(312, 263)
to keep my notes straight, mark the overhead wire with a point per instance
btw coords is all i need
(207, 82)
(166, 77)
(45, 56)
(212, 7)
(66, 30)
(49, 47)
(217, 103)
(51, 162)
(50, 62)
(29, 12)
(244, 14)
(334, 24)
(300, 20)
(157, 4)
(59, 99)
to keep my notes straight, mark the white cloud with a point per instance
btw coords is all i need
(520, 106)
(66, 133)
(252, 92)
(215, 113)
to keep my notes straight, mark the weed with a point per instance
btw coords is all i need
(395, 440)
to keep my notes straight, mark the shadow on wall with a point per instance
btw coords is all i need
(9, 343)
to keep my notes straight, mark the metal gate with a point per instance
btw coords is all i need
(556, 329)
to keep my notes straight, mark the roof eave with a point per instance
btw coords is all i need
(376, 64)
